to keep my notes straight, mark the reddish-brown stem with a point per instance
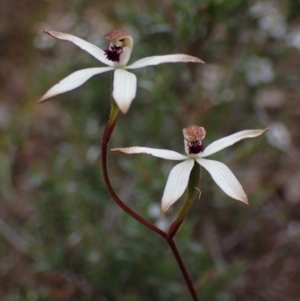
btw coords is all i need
(182, 267)
(173, 229)
(105, 140)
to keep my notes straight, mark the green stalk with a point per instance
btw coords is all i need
(192, 191)
(114, 111)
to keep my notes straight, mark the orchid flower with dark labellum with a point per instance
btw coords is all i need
(116, 56)
(179, 176)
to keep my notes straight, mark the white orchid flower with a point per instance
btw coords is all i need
(179, 176)
(116, 57)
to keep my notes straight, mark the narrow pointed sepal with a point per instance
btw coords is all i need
(159, 153)
(162, 59)
(176, 184)
(92, 49)
(225, 179)
(74, 80)
(230, 140)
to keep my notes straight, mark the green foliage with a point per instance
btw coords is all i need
(79, 244)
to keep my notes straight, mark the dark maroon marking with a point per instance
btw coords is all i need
(113, 53)
(195, 147)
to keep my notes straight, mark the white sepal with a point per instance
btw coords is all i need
(159, 153)
(93, 50)
(73, 81)
(177, 182)
(124, 89)
(229, 140)
(161, 59)
(224, 178)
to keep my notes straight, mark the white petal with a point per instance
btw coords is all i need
(124, 89)
(229, 140)
(72, 81)
(176, 184)
(160, 153)
(88, 47)
(159, 59)
(224, 178)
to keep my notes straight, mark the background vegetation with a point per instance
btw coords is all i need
(62, 237)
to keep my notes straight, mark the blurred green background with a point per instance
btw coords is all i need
(63, 238)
